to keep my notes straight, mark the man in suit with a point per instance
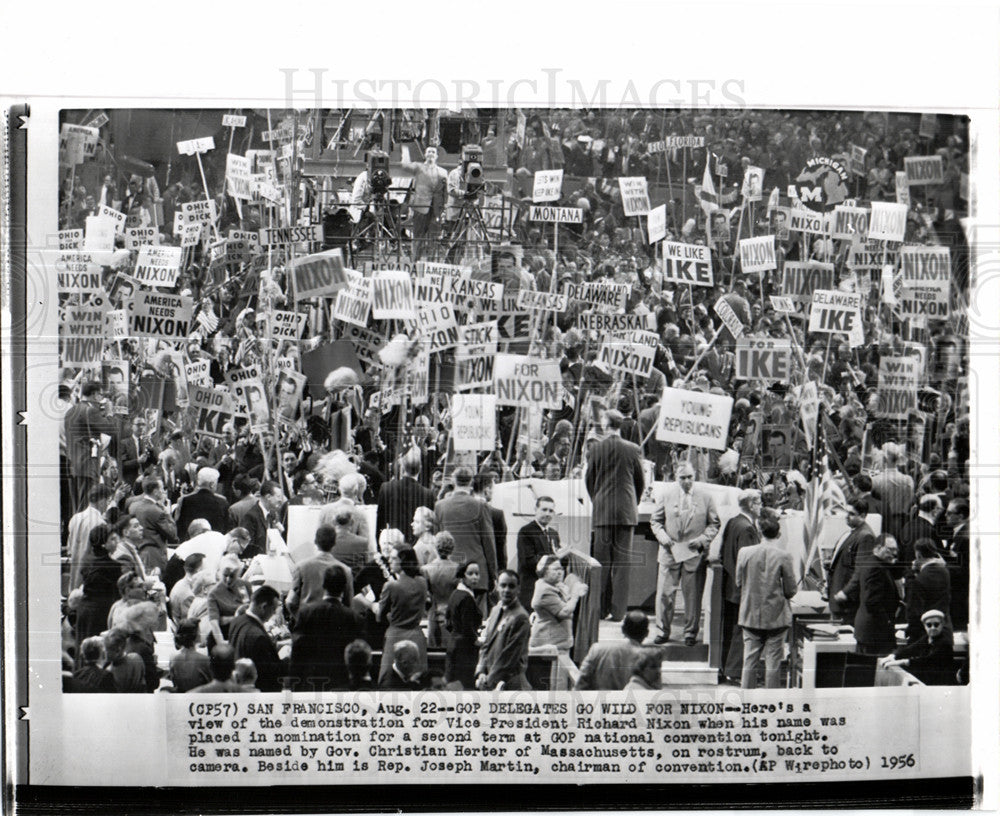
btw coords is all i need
(249, 637)
(204, 503)
(398, 499)
(608, 664)
(740, 532)
(535, 540)
(262, 516)
(843, 580)
(614, 483)
(352, 488)
(467, 519)
(957, 558)
(84, 424)
(923, 526)
(320, 635)
(503, 658)
(158, 528)
(765, 577)
(247, 492)
(684, 522)
(927, 587)
(308, 584)
(482, 488)
(405, 674)
(136, 452)
(351, 549)
(893, 490)
(222, 662)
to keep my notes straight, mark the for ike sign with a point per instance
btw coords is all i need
(763, 358)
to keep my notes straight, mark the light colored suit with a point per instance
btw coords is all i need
(684, 531)
(766, 578)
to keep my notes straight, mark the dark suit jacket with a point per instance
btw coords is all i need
(878, 600)
(499, 534)
(85, 422)
(740, 532)
(912, 532)
(132, 461)
(504, 654)
(398, 499)
(308, 584)
(842, 570)
(615, 482)
(958, 566)
(255, 524)
(202, 504)
(929, 588)
(158, 528)
(249, 639)
(532, 544)
(351, 550)
(468, 520)
(319, 637)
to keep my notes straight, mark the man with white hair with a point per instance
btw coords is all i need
(352, 488)
(204, 503)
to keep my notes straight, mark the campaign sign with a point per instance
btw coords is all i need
(694, 418)
(610, 296)
(898, 378)
(849, 222)
(159, 315)
(765, 359)
(784, 305)
(474, 371)
(354, 304)
(195, 212)
(870, 256)
(822, 184)
(77, 271)
(393, 293)
(555, 215)
(116, 324)
(923, 170)
(631, 355)
(238, 177)
(276, 236)
(527, 381)
(286, 325)
(803, 220)
(635, 195)
(548, 185)
(198, 373)
(82, 333)
(834, 311)
(438, 326)
(476, 339)
(473, 421)
(800, 280)
(229, 120)
(927, 268)
(687, 263)
(70, 238)
(158, 265)
(902, 188)
(656, 223)
(192, 146)
(366, 343)
(442, 269)
(248, 388)
(888, 221)
(319, 275)
(757, 254)
(135, 237)
(729, 318)
(603, 323)
(545, 301)
(922, 304)
(117, 216)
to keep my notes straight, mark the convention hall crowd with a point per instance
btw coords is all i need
(283, 467)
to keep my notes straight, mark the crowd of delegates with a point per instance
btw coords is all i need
(138, 484)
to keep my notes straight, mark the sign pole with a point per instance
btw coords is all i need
(208, 195)
(705, 351)
(684, 173)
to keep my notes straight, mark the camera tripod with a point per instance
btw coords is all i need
(469, 230)
(379, 228)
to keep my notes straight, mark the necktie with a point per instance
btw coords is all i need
(686, 508)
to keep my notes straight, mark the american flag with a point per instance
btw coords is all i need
(706, 194)
(823, 496)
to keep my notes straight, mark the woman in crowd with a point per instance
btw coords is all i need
(370, 582)
(403, 603)
(140, 621)
(440, 574)
(553, 605)
(100, 573)
(461, 622)
(201, 585)
(424, 529)
(91, 677)
(226, 599)
(189, 668)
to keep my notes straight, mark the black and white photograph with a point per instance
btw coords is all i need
(554, 442)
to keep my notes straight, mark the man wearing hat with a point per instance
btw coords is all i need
(932, 658)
